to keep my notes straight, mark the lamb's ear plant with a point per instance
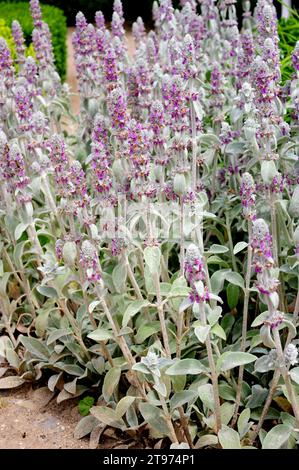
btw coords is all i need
(149, 245)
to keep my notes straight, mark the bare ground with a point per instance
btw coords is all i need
(29, 419)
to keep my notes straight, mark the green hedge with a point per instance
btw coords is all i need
(51, 15)
(288, 36)
(5, 32)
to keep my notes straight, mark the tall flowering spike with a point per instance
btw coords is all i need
(24, 105)
(138, 31)
(262, 245)
(191, 3)
(217, 90)
(100, 131)
(36, 13)
(100, 20)
(271, 55)
(263, 261)
(6, 63)
(101, 43)
(101, 169)
(144, 84)
(175, 57)
(266, 21)
(188, 57)
(193, 24)
(29, 72)
(59, 244)
(295, 57)
(39, 124)
(57, 150)
(132, 87)
(247, 193)
(118, 8)
(19, 41)
(13, 168)
(81, 22)
(117, 108)
(151, 50)
(155, 12)
(100, 158)
(89, 261)
(110, 68)
(138, 148)
(245, 57)
(85, 41)
(77, 187)
(117, 26)
(157, 120)
(175, 102)
(42, 43)
(264, 87)
(195, 273)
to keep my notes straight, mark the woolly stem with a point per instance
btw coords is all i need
(244, 323)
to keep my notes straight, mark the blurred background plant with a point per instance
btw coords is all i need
(288, 30)
(5, 32)
(10, 11)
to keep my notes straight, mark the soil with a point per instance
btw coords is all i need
(31, 419)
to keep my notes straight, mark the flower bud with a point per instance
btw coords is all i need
(179, 184)
(69, 253)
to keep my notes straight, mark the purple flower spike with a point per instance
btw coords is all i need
(100, 20)
(41, 38)
(13, 170)
(247, 193)
(138, 148)
(36, 13)
(19, 41)
(262, 246)
(110, 68)
(195, 272)
(81, 22)
(262, 258)
(118, 8)
(295, 57)
(89, 261)
(58, 249)
(24, 105)
(6, 63)
(117, 26)
(117, 109)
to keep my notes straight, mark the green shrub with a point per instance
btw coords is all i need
(51, 15)
(288, 36)
(5, 32)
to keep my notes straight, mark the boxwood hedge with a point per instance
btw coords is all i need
(51, 15)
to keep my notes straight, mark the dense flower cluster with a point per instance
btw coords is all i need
(195, 272)
(89, 261)
(248, 197)
(263, 257)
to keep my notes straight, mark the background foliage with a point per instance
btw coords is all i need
(52, 15)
